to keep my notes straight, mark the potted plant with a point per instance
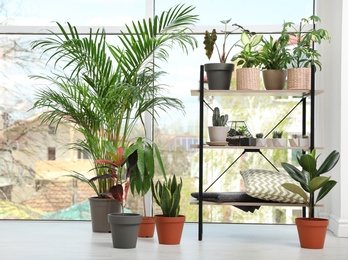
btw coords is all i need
(219, 74)
(104, 90)
(274, 58)
(170, 224)
(311, 179)
(143, 170)
(248, 76)
(299, 140)
(260, 141)
(124, 226)
(278, 140)
(304, 55)
(218, 131)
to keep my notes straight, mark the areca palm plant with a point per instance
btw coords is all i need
(104, 90)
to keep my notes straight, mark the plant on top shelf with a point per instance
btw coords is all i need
(259, 135)
(249, 57)
(303, 53)
(248, 75)
(105, 90)
(210, 41)
(217, 119)
(310, 177)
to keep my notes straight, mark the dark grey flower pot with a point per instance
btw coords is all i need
(124, 229)
(219, 75)
(100, 208)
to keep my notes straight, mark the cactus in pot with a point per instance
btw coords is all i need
(218, 132)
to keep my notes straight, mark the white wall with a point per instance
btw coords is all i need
(333, 106)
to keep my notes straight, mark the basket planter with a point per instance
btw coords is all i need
(124, 229)
(299, 78)
(219, 75)
(100, 208)
(248, 79)
(274, 79)
(312, 232)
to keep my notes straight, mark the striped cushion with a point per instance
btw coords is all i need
(266, 185)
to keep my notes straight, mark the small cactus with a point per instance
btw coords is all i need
(217, 119)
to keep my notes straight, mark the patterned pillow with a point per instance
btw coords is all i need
(266, 185)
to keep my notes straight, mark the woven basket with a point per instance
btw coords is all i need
(248, 79)
(299, 78)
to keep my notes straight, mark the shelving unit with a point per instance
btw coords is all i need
(202, 93)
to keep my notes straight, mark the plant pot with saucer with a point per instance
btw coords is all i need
(311, 230)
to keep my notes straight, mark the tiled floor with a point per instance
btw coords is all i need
(75, 240)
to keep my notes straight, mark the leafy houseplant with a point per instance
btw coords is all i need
(274, 58)
(304, 55)
(219, 74)
(167, 195)
(104, 90)
(218, 132)
(311, 179)
(105, 96)
(248, 76)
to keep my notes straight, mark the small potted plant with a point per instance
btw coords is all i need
(167, 195)
(299, 140)
(260, 141)
(310, 179)
(303, 54)
(219, 74)
(274, 58)
(218, 131)
(278, 140)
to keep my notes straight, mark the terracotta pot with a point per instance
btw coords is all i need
(147, 227)
(169, 229)
(312, 232)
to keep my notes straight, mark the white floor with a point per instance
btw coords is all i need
(34, 240)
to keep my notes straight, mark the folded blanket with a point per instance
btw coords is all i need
(230, 197)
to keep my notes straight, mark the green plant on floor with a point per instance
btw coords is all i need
(167, 195)
(310, 177)
(104, 90)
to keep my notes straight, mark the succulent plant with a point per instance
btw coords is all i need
(277, 134)
(167, 196)
(219, 120)
(259, 135)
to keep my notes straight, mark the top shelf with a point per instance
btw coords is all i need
(296, 93)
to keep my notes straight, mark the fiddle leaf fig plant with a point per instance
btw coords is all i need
(310, 178)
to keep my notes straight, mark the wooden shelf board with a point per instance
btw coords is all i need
(289, 93)
(306, 148)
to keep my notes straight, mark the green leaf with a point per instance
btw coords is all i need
(325, 189)
(318, 182)
(296, 189)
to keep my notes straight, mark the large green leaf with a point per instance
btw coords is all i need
(318, 182)
(329, 162)
(325, 189)
(296, 189)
